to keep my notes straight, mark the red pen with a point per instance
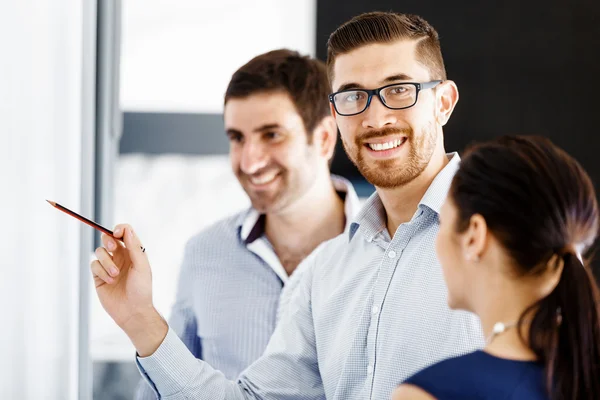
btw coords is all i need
(86, 221)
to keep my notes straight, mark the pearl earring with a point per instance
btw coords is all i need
(559, 317)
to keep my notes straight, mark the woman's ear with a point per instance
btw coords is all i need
(474, 238)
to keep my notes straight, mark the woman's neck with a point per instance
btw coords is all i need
(503, 302)
(510, 345)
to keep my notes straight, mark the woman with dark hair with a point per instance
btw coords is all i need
(519, 214)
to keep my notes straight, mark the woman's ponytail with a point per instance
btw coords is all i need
(565, 333)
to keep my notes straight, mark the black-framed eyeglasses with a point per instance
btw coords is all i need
(396, 96)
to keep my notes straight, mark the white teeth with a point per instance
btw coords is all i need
(262, 180)
(387, 145)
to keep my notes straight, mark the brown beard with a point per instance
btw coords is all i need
(392, 173)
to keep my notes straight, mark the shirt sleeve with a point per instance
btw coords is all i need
(182, 321)
(287, 370)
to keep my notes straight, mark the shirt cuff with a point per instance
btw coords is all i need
(171, 368)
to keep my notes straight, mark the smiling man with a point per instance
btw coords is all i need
(281, 138)
(369, 308)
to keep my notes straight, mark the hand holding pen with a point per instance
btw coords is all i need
(123, 281)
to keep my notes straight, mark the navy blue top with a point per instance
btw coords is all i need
(480, 375)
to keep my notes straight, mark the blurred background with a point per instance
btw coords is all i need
(114, 109)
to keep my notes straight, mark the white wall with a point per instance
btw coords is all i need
(41, 129)
(179, 56)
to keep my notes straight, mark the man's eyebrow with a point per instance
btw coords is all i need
(267, 127)
(389, 79)
(350, 85)
(397, 77)
(232, 131)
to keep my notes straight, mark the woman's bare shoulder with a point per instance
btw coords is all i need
(410, 392)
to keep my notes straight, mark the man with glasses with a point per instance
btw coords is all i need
(369, 307)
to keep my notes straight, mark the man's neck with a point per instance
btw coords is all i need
(400, 203)
(316, 217)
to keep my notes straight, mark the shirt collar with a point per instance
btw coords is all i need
(252, 224)
(372, 218)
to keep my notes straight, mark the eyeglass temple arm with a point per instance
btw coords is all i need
(429, 85)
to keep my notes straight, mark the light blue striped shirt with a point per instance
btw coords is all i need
(229, 288)
(366, 312)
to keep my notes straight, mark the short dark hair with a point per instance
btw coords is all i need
(386, 27)
(303, 78)
(539, 203)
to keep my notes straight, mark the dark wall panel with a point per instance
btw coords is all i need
(527, 67)
(522, 67)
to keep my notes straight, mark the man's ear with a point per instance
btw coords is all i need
(446, 99)
(325, 137)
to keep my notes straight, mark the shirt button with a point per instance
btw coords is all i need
(369, 369)
(392, 254)
(375, 309)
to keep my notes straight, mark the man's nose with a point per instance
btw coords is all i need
(254, 157)
(378, 116)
